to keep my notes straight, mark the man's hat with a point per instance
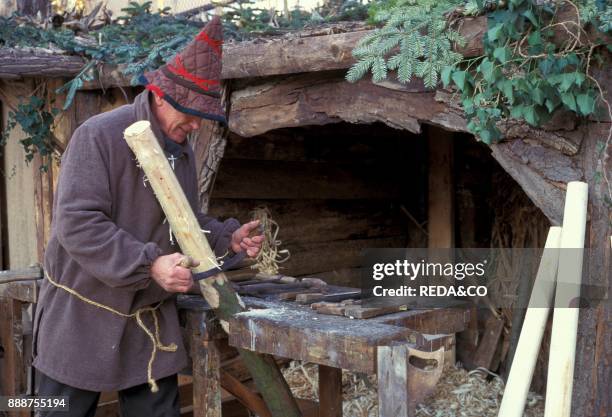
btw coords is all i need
(191, 80)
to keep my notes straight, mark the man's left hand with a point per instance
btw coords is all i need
(241, 240)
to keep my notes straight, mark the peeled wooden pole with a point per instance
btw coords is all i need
(526, 354)
(565, 319)
(217, 290)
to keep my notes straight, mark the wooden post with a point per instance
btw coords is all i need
(13, 379)
(206, 382)
(565, 319)
(217, 290)
(519, 379)
(441, 216)
(330, 391)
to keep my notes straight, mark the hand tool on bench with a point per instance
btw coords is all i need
(334, 309)
(359, 312)
(215, 286)
(314, 297)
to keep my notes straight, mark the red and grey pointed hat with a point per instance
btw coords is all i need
(191, 80)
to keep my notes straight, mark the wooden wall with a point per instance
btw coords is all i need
(29, 191)
(334, 190)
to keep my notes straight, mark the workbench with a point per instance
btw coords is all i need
(405, 349)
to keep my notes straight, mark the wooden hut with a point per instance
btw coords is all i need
(341, 167)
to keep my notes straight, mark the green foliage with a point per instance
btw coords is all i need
(242, 19)
(523, 74)
(415, 41)
(598, 13)
(35, 121)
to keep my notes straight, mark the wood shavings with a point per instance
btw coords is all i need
(458, 394)
(270, 255)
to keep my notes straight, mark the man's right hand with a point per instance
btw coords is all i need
(168, 273)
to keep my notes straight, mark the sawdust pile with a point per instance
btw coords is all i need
(459, 393)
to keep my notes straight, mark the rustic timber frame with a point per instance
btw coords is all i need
(298, 80)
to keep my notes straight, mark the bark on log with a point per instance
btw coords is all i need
(217, 290)
(318, 99)
(16, 63)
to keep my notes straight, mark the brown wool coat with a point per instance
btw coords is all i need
(107, 230)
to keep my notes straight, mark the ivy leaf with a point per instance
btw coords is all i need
(495, 32)
(586, 103)
(446, 75)
(501, 54)
(567, 80)
(569, 100)
(517, 111)
(486, 67)
(529, 15)
(538, 96)
(506, 88)
(531, 116)
(459, 78)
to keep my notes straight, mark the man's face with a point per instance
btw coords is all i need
(176, 125)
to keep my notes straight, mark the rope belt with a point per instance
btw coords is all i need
(154, 336)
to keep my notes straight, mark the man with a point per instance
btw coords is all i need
(106, 318)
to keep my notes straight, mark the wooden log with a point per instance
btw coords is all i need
(565, 319)
(17, 63)
(525, 358)
(289, 55)
(317, 99)
(217, 290)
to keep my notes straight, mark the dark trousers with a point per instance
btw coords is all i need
(137, 401)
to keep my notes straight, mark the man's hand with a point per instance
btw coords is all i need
(170, 275)
(241, 240)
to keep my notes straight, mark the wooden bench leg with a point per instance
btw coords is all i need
(402, 384)
(392, 372)
(330, 391)
(206, 378)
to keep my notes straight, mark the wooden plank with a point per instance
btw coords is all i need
(330, 391)
(304, 335)
(20, 207)
(432, 321)
(338, 143)
(488, 343)
(441, 213)
(26, 292)
(359, 312)
(296, 180)
(320, 220)
(311, 258)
